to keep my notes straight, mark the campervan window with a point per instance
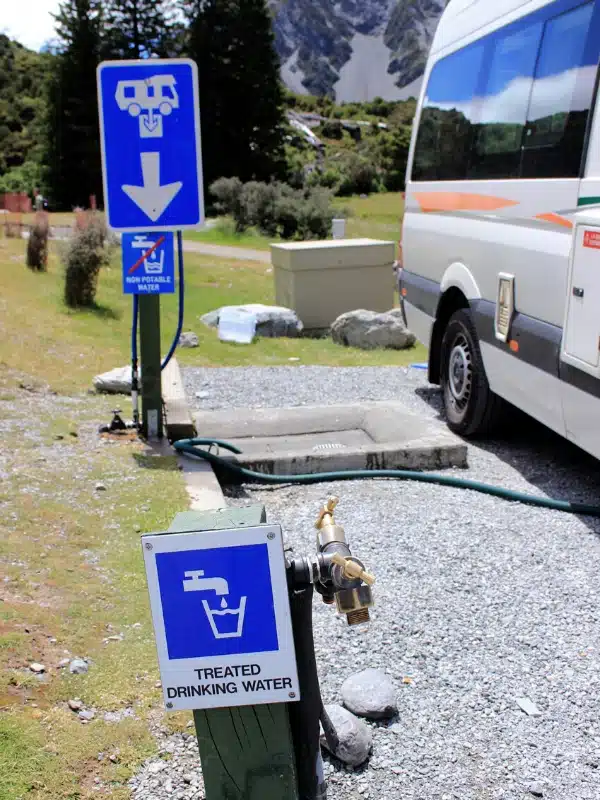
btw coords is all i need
(514, 103)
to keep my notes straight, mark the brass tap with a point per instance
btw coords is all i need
(354, 599)
(328, 530)
(326, 514)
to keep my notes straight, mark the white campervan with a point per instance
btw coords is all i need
(500, 268)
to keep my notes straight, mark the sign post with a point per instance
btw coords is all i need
(221, 614)
(152, 177)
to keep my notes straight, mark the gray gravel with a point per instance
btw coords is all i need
(480, 603)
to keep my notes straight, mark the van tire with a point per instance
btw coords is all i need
(472, 409)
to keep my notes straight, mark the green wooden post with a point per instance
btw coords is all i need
(246, 752)
(152, 416)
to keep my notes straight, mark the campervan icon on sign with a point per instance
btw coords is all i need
(150, 99)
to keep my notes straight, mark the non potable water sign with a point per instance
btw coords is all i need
(150, 141)
(221, 617)
(148, 263)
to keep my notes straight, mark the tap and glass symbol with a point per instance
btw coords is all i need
(154, 257)
(224, 617)
(217, 601)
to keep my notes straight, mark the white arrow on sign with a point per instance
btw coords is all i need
(151, 197)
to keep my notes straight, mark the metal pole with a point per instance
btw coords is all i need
(152, 416)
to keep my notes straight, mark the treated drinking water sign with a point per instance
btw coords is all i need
(221, 617)
(148, 263)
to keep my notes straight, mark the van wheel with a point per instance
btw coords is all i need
(472, 409)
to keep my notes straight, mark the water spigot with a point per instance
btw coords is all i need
(343, 578)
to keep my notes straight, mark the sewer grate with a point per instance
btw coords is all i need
(329, 446)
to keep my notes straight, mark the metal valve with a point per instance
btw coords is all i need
(345, 579)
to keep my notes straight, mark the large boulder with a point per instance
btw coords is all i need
(370, 330)
(271, 321)
(354, 740)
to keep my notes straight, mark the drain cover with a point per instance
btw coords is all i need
(329, 446)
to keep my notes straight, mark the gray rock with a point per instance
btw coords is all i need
(87, 715)
(370, 330)
(78, 667)
(354, 737)
(189, 339)
(271, 321)
(370, 694)
(37, 668)
(75, 705)
(536, 789)
(116, 381)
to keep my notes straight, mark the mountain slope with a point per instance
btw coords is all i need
(354, 49)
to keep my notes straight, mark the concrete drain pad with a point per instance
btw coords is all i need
(291, 441)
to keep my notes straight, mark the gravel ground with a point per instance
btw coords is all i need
(479, 602)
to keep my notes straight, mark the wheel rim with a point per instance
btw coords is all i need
(460, 372)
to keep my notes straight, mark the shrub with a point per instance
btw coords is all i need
(37, 244)
(227, 192)
(86, 253)
(332, 129)
(359, 176)
(257, 205)
(277, 210)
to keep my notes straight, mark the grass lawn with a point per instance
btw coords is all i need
(39, 336)
(378, 216)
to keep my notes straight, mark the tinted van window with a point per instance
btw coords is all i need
(561, 97)
(513, 104)
(502, 105)
(444, 139)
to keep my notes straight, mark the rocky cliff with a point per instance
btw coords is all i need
(355, 49)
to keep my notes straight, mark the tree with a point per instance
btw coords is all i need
(22, 97)
(73, 143)
(139, 28)
(241, 95)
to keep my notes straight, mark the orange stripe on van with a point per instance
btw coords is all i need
(460, 201)
(555, 219)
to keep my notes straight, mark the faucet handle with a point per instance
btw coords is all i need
(352, 570)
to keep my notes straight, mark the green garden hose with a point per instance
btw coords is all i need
(190, 446)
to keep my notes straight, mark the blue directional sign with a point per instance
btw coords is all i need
(150, 140)
(148, 263)
(221, 616)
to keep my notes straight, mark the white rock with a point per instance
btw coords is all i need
(189, 339)
(370, 693)
(530, 708)
(370, 330)
(116, 381)
(37, 668)
(271, 321)
(354, 737)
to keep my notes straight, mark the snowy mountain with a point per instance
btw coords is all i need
(355, 49)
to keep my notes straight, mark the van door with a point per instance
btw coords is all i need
(580, 351)
(579, 367)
